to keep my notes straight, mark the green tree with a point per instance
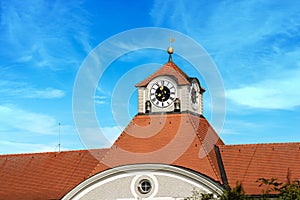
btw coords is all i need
(196, 195)
(236, 193)
(285, 191)
(271, 186)
(290, 191)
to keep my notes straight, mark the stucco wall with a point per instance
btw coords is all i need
(167, 182)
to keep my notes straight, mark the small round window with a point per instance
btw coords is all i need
(144, 186)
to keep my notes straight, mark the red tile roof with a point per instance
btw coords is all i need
(45, 175)
(183, 140)
(170, 69)
(247, 163)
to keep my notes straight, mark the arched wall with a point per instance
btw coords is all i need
(143, 181)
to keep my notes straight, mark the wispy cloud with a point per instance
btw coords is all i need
(254, 44)
(23, 90)
(270, 94)
(100, 137)
(7, 147)
(228, 21)
(13, 119)
(43, 33)
(100, 100)
(48, 93)
(102, 96)
(240, 35)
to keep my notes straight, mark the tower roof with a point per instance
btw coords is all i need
(170, 69)
(184, 140)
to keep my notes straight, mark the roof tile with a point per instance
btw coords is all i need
(248, 163)
(184, 140)
(44, 175)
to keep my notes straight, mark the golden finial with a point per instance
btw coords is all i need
(170, 48)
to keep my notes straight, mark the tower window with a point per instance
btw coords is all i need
(148, 107)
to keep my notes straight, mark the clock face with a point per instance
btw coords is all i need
(162, 93)
(194, 95)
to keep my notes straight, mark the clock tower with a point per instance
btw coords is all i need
(169, 89)
(166, 151)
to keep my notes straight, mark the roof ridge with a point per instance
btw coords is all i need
(108, 151)
(93, 171)
(203, 146)
(258, 144)
(178, 69)
(46, 152)
(51, 152)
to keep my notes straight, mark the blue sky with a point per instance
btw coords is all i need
(254, 44)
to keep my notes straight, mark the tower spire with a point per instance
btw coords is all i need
(170, 49)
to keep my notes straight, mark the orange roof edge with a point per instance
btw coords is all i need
(51, 152)
(170, 69)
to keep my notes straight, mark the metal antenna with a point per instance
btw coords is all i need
(59, 137)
